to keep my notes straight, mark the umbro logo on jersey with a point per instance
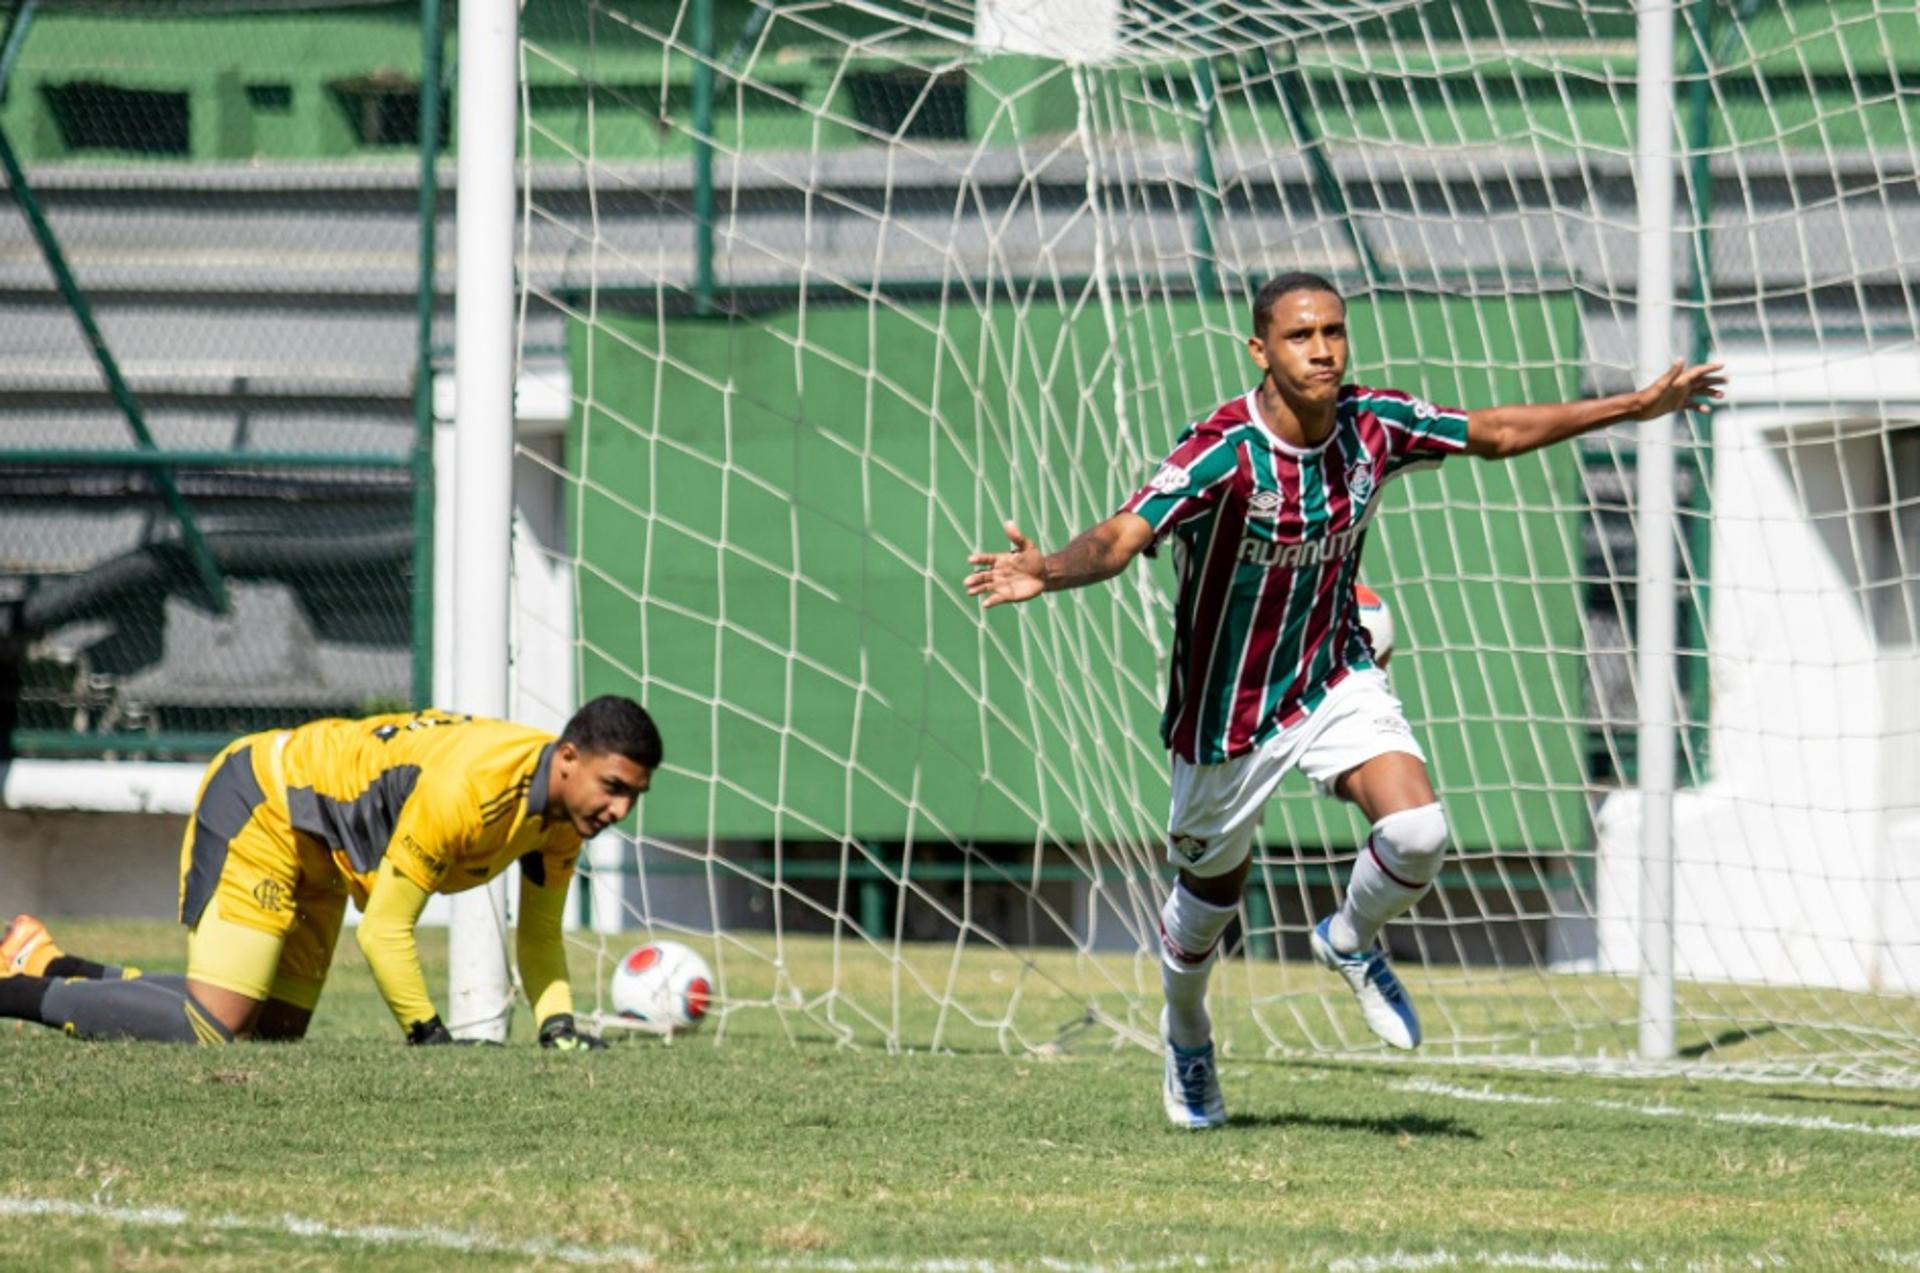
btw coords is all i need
(1170, 479)
(1264, 504)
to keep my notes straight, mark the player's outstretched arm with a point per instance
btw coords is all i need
(386, 938)
(541, 949)
(1499, 433)
(1026, 572)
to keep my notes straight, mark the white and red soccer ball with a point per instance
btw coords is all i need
(663, 985)
(1377, 620)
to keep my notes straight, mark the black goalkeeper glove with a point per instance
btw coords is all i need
(428, 1033)
(558, 1032)
(432, 1032)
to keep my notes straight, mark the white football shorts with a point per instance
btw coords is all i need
(1217, 808)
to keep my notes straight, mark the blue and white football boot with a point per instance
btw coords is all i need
(1383, 1000)
(1191, 1088)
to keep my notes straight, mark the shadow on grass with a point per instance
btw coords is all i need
(1725, 1039)
(1404, 1125)
(1879, 1099)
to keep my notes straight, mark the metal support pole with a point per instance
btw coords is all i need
(431, 38)
(701, 34)
(1653, 320)
(1263, 931)
(18, 23)
(1695, 679)
(749, 35)
(480, 1002)
(1206, 194)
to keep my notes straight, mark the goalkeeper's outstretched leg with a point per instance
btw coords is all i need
(86, 999)
(156, 1010)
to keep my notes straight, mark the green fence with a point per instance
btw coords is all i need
(215, 431)
(758, 502)
(202, 82)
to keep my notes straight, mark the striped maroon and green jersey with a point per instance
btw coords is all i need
(1267, 539)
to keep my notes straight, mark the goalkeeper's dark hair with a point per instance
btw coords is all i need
(1274, 288)
(612, 725)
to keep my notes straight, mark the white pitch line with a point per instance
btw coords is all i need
(1483, 1095)
(1418, 1261)
(958, 1264)
(1556, 1261)
(576, 1253)
(371, 1235)
(541, 1248)
(1740, 1118)
(1753, 1118)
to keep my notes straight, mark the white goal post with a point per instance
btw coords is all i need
(479, 996)
(1656, 525)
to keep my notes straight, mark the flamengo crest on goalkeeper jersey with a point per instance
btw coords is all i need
(1267, 540)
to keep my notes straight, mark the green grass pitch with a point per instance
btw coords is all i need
(780, 1149)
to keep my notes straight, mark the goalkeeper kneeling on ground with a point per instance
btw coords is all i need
(387, 810)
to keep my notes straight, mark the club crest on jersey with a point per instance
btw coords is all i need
(1170, 479)
(1265, 504)
(1360, 481)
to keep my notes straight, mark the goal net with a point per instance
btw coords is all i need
(826, 293)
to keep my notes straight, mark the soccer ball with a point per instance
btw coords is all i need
(663, 985)
(1377, 620)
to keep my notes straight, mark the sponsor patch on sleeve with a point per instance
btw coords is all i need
(1170, 480)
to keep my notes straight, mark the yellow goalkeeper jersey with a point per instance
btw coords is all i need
(451, 800)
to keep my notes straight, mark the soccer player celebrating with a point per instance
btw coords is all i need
(388, 810)
(1267, 502)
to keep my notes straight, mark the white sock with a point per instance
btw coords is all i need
(1189, 934)
(1394, 871)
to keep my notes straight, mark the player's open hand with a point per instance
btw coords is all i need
(559, 1034)
(1682, 388)
(433, 1033)
(1010, 576)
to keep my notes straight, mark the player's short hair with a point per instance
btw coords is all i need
(612, 725)
(1292, 281)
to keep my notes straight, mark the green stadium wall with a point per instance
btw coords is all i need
(309, 84)
(722, 459)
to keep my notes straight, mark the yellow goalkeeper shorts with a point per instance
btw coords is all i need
(262, 903)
